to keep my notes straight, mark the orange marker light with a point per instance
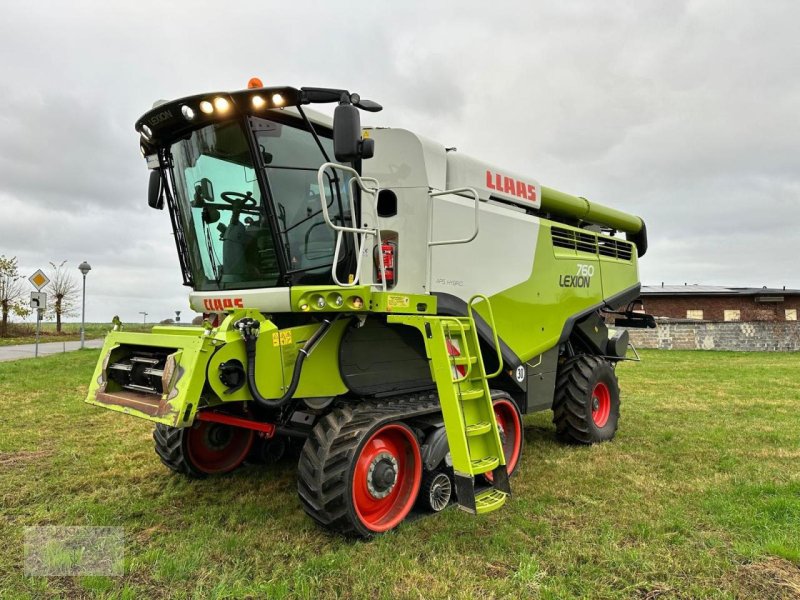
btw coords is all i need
(254, 83)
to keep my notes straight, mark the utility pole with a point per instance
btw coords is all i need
(141, 312)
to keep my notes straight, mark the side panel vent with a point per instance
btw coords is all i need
(615, 248)
(574, 240)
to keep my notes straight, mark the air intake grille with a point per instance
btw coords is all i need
(574, 240)
(615, 248)
(589, 243)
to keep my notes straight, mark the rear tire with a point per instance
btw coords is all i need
(586, 404)
(202, 449)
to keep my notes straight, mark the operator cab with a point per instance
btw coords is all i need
(240, 174)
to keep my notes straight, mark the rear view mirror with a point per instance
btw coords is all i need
(155, 191)
(203, 191)
(347, 143)
(346, 132)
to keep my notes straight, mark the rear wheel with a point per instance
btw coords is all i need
(509, 424)
(357, 477)
(203, 449)
(586, 405)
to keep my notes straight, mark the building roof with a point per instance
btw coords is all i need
(714, 290)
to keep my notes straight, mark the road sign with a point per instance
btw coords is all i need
(39, 280)
(38, 300)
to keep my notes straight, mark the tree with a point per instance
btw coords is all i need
(12, 289)
(63, 293)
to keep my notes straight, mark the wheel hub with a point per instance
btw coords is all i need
(382, 475)
(595, 404)
(218, 437)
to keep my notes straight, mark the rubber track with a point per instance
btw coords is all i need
(329, 452)
(169, 447)
(573, 385)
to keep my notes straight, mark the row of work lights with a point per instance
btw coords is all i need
(221, 106)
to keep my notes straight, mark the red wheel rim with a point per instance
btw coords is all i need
(217, 448)
(601, 404)
(386, 477)
(510, 426)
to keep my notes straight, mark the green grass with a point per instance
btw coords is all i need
(698, 497)
(25, 333)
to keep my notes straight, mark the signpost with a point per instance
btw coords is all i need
(38, 302)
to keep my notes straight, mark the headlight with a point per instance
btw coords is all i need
(221, 104)
(187, 112)
(147, 132)
(259, 102)
(277, 99)
(206, 107)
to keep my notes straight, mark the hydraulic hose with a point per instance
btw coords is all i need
(249, 329)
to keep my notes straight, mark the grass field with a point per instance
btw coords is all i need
(25, 333)
(698, 497)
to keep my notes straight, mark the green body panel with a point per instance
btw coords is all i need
(530, 317)
(358, 299)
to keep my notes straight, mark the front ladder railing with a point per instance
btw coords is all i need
(360, 234)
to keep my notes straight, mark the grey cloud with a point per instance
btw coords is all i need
(683, 112)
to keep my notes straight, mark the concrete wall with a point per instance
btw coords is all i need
(755, 336)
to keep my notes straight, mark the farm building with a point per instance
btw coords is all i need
(719, 304)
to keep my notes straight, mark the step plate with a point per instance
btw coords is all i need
(489, 500)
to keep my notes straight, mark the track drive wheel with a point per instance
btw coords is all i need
(509, 422)
(203, 449)
(358, 474)
(586, 405)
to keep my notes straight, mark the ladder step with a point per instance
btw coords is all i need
(462, 360)
(489, 500)
(452, 329)
(471, 393)
(479, 428)
(483, 465)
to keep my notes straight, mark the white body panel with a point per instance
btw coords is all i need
(500, 257)
(262, 299)
(502, 254)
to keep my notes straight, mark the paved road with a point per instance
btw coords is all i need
(27, 350)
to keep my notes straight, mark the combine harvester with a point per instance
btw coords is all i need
(361, 288)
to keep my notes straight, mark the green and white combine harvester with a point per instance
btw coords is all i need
(386, 304)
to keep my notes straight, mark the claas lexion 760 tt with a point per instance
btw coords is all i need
(387, 305)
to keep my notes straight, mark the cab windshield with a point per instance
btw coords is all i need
(239, 235)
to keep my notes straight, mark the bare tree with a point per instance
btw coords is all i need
(12, 289)
(64, 293)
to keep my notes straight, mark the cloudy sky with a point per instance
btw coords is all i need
(687, 113)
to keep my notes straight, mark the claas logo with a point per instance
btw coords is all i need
(509, 185)
(214, 304)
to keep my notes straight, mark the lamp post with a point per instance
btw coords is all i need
(141, 312)
(84, 268)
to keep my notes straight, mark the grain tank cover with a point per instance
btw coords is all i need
(492, 182)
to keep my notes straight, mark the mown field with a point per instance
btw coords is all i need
(698, 497)
(25, 333)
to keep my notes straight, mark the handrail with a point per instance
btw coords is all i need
(359, 233)
(463, 190)
(464, 351)
(491, 324)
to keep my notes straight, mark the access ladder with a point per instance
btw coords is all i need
(453, 349)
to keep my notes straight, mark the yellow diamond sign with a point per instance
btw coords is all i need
(39, 280)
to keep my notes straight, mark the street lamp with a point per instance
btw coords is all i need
(141, 312)
(84, 268)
